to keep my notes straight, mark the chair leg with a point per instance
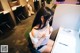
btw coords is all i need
(23, 16)
(18, 19)
(1, 32)
(8, 26)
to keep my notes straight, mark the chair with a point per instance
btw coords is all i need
(20, 12)
(3, 23)
(30, 45)
(36, 5)
(18, 20)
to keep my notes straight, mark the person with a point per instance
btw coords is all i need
(78, 2)
(42, 1)
(41, 31)
(36, 5)
(30, 10)
(60, 1)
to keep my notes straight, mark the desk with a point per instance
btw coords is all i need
(0, 12)
(67, 41)
(15, 7)
(5, 12)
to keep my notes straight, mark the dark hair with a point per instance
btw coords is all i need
(50, 22)
(37, 20)
(55, 5)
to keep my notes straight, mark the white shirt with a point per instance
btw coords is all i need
(38, 34)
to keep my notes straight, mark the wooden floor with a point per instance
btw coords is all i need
(16, 39)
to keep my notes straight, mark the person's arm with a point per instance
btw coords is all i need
(51, 30)
(38, 40)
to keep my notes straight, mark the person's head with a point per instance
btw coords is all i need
(41, 18)
(43, 4)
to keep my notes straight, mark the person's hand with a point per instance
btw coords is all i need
(43, 35)
(50, 30)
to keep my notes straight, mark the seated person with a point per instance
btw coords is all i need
(30, 11)
(41, 31)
